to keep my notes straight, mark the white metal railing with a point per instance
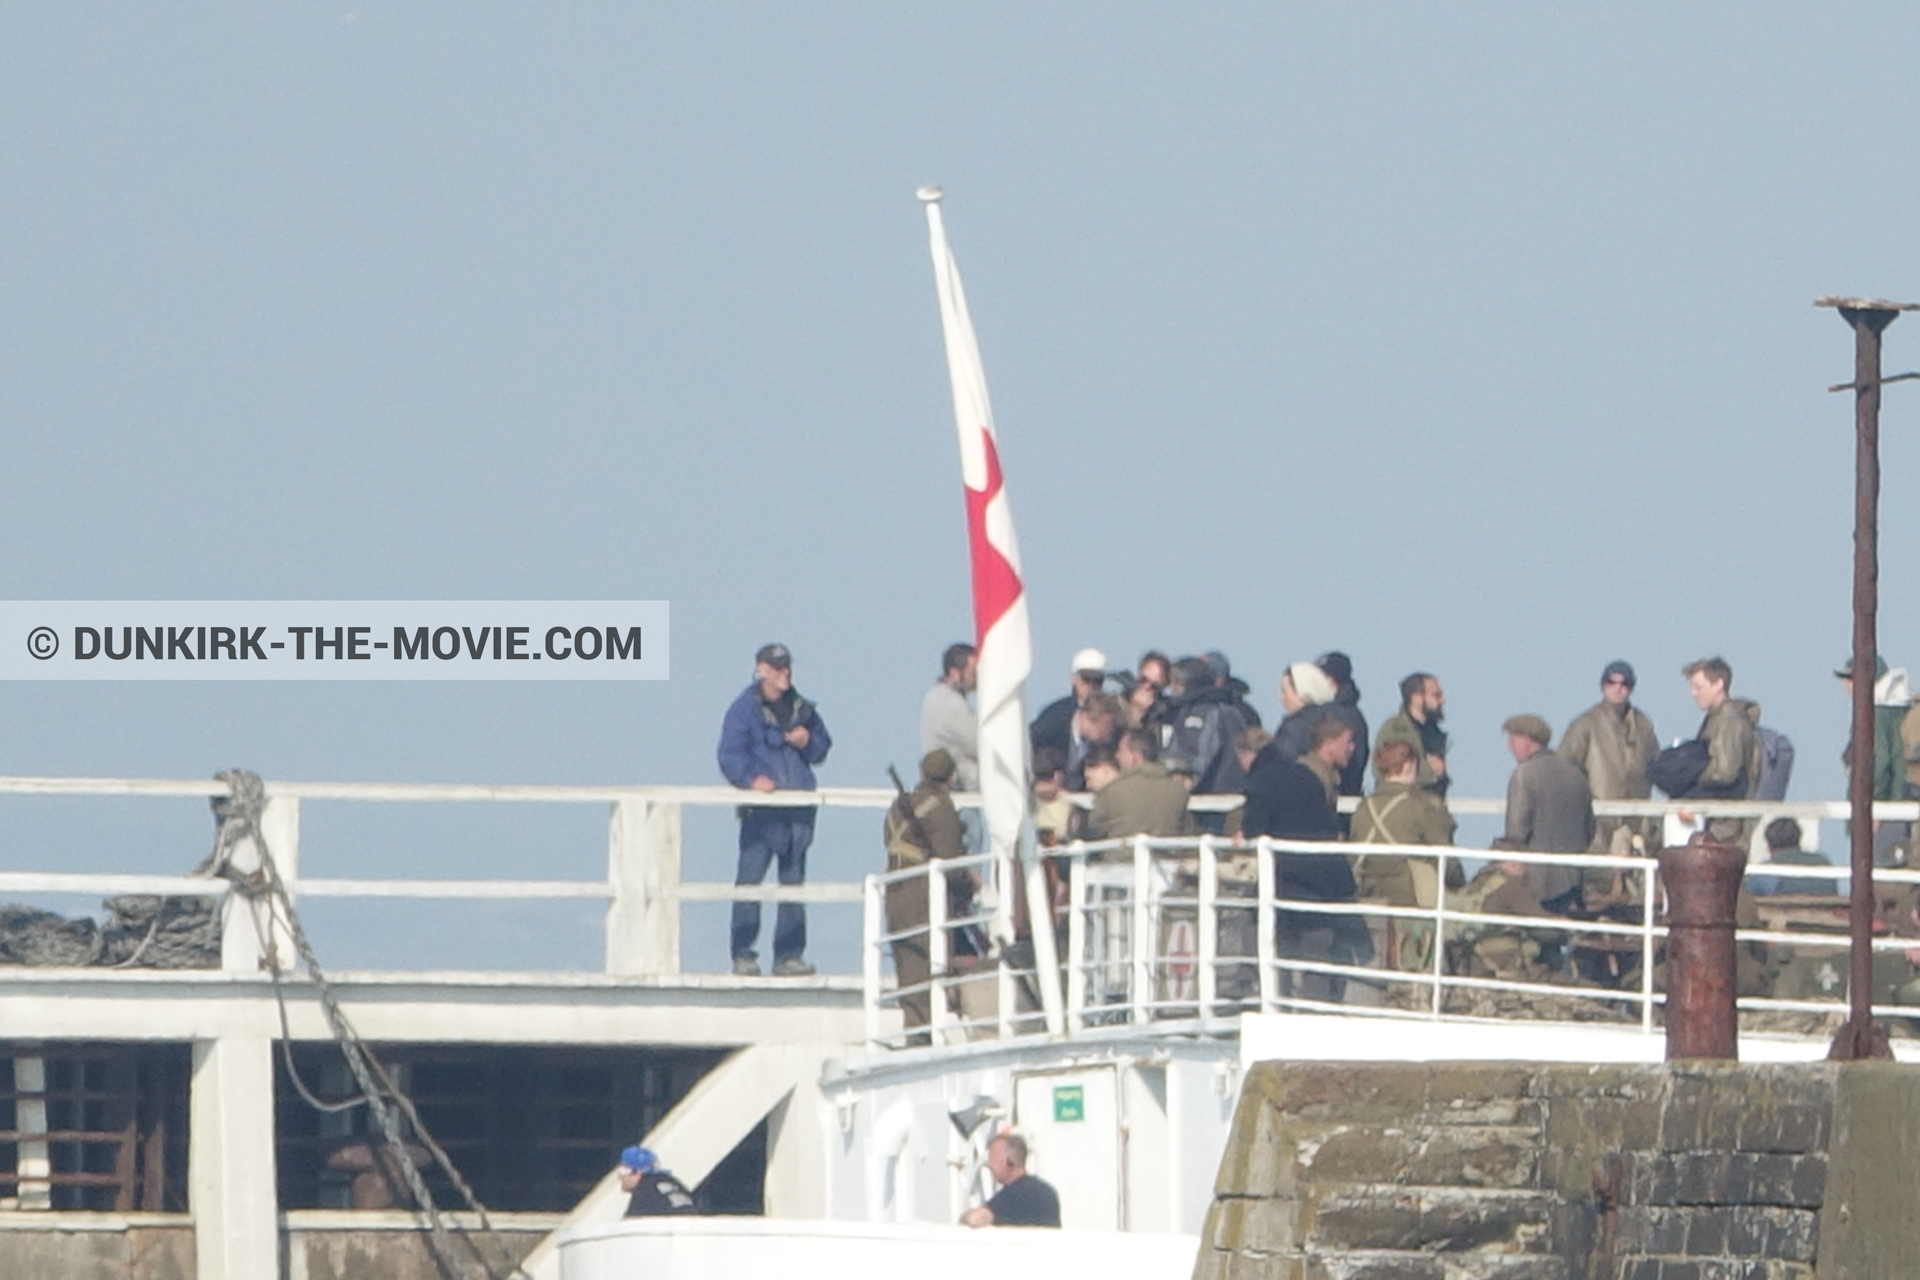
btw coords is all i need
(643, 887)
(1154, 933)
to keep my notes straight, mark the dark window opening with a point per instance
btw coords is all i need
(530, 1127)
(94, 1126)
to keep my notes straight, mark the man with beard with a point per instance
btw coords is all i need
(1422, 707)
(1614, 742)
(947, 721)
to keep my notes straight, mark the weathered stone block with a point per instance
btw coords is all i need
(1348, 1218)
(1270, 1226)
(1477, 1156)
(1650, 1230)
(1248, 1265)
(1707, 1232)
(1260, 1151)
(1354, 1265)
(1791, 1234)
(1809, 1180)
(1504, 1266)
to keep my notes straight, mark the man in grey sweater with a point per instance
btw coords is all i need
(947, 720)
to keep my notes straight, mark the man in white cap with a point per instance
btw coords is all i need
(1053, 727)
(1306, 694)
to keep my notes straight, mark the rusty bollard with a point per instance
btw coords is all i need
(1702, 880)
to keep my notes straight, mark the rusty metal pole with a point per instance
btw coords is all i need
(1702, 880)
(1861, 1037)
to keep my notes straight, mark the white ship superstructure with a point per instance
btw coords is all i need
(156, 1113)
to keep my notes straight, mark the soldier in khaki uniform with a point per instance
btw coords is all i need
(922, 825)
(1400, 811)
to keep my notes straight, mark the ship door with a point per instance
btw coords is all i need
(1072, 1123)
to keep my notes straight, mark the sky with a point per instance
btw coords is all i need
(1475, 339)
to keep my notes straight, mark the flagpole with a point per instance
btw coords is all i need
(1001, 632)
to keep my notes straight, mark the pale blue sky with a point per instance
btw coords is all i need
(1475, 338)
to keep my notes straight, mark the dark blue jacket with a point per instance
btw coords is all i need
(753, 744)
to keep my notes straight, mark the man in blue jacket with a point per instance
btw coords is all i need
(770, 741)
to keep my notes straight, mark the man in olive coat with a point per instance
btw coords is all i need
(1613, 742)
(1145, 800)
(1731, 731)
(1549, 810)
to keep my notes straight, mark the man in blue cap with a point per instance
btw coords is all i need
(770, 741)
(652, 1191)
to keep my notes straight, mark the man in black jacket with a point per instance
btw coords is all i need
(1286, 800)
(1053, 727)
(652, 1191)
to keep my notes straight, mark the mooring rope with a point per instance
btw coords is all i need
(266, 896)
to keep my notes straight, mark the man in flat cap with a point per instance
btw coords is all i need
(1549, 810)
(1613, 742)
(770, 741)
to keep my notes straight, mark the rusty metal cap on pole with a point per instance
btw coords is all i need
(1702, 880)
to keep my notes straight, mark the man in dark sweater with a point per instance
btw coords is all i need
(1287, 800)
(1023, 1200)
(652, 1191)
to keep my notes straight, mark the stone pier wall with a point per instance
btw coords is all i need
(1495, 1171)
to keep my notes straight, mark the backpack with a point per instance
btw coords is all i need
(1677, 770)
(1776, 765)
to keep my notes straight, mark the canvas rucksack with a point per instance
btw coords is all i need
(1776, 765)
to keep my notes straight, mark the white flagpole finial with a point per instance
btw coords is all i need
(930, 194)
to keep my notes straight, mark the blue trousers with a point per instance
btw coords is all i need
(769, 836)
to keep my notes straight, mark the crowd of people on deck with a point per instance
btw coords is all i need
(1123, 752)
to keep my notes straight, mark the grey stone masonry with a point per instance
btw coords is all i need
(1503, 1171)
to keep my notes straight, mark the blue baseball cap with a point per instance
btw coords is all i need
(639, 1159)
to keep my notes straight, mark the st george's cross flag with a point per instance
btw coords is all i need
(999, 599)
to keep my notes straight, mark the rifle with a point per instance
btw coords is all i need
(974, 934)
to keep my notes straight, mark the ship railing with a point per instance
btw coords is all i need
(1182, 936)
(644, 888)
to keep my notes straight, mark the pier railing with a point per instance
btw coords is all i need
(644, 889)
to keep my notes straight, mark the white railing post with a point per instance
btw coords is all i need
(643, 875)
(1440, 933)
(1206, 946)
(1646, 948)
(872, 925)
(1076, 942)
(243, 949)
(1263, 943)
(33, 1160)
(938, 1015)
(1144, 944)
